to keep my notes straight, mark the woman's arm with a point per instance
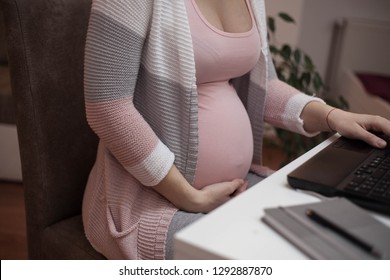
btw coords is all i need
(321, 117)
(315, 117)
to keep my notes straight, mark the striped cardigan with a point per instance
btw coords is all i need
(141, 100)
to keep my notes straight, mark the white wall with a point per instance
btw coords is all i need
(10, 166)
(286, 33)
(315, 22)
(318, 18)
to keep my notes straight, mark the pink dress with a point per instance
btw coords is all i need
(225, 134)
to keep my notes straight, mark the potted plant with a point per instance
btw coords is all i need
(296, 68)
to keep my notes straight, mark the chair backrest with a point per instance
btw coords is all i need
(45, 41)
(3, 55)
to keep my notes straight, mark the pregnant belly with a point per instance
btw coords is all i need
(225, 135)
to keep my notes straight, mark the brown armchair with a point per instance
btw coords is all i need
(45, 42)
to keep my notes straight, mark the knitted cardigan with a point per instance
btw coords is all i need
(141, 100)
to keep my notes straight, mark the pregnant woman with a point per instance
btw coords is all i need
(178, 93)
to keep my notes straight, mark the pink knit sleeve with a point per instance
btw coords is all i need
(284, 105)
(130, 139)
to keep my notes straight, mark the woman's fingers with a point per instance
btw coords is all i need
(243, 185)
(371, 125)
(360, 126)
(217, 194)
(372, 139)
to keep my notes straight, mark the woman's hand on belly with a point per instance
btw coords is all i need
(212, 196)
(180, 193)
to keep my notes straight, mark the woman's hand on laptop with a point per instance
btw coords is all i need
(318, 116)
(359, 126)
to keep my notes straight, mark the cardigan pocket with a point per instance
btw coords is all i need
(123, 227)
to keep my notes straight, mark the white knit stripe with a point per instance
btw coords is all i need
(155, 167)
(291, 115)
(258, 8)
(174, 46)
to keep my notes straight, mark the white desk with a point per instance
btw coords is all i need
(235, 230)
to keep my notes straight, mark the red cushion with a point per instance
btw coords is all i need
(376, 84)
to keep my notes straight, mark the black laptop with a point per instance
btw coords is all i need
(351, 169)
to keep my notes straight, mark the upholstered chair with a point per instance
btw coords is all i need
(45, 45)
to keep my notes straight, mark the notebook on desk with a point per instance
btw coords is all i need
(351, 169)
(331, 229)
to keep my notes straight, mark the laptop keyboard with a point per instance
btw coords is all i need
(372, 180)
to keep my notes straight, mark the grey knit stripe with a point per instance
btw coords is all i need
(253, 102)
(161, 111)
(111, 63)
(257, 98)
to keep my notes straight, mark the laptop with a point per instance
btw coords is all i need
(348, 168)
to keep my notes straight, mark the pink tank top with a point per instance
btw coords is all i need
(225, 134)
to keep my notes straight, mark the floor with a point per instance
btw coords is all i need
(13, 243)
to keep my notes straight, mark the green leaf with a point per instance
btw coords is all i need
(293, 80)
(273, 49)
(297, 56)
(308, 63)
(271, 24)
(286, 52)
(343, 103)
(279, 72)
(286, 17)
(317, 82)
(305, 79)
(340, 102)
(294, 69)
